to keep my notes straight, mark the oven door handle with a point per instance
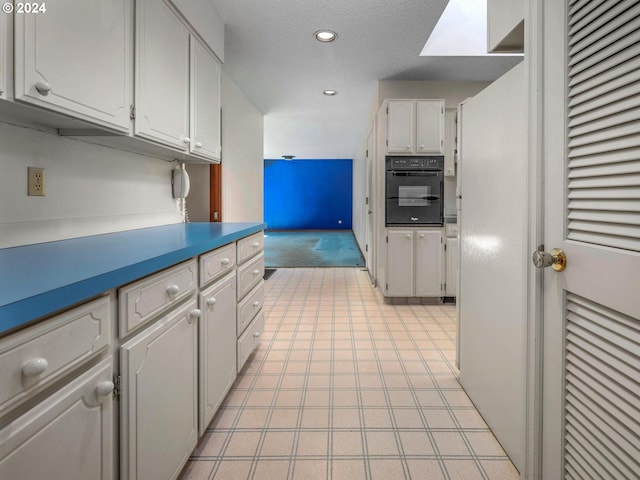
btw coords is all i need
(428, 197)
(414, 174)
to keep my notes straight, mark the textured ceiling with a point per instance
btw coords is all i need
(271, 54)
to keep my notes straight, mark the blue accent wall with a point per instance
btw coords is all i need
(308, 194)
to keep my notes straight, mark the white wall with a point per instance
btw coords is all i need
(452, 92)
(198, 201)
(90, 189)
(242, 156)
(493, 257)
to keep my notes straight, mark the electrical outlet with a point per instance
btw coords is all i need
(35, 181)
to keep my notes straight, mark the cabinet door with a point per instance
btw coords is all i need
(401, 126)
(451, 276)
(205, 102)
(449, 143)
(430, 126)
(217, 346)
(428, 263)
(159, 414)
(4, 64)
(76, 59)
(162, 75)
(69, 435)
(400, 263)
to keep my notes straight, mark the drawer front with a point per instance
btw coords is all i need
(451, 230)
(249, 275)
(34, 358)
(250, 246)
(141, 301)
(249, 307)
(217, 262)
(249, 340)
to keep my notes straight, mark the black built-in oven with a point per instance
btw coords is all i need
(414, 190)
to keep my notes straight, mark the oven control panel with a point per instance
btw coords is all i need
(415, 163)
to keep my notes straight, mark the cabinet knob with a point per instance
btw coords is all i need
(257, 334)
(225, 261)
(173, 289)
(194, 315)
(422, 235)
(408, 147)
(408, 235)
(421, 147)
(256, 303)
(211, 301)
(198, 144)
(43, 87)
(256, 272)
(256, 245)
(104, 388)
(35, 367)
(186, 140)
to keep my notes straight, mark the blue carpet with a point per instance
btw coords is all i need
(311, 248)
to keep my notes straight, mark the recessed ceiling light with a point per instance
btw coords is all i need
(330, 93)
(325, 36)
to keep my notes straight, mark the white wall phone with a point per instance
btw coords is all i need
(180, 182)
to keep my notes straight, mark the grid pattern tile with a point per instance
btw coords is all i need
(344, 386)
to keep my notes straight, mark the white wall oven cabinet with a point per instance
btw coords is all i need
(162, 75)
(415, 127)
(51, 425)
(158, 408)
(75, 59)
(217, 341)
(206, 75)
(414, 262)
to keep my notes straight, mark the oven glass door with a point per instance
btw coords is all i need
(414, 198)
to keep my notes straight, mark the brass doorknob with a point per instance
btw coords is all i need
(556, 259)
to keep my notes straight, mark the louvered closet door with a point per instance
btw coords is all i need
(591, 155)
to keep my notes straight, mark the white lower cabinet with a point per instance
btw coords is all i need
(451, 267)
(217, 339)
(159, 407)
(69, 435)
(414, 259)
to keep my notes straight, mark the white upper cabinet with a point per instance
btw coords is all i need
(430, 126)
(162, 75)
(401, 126)
(75, 59)
(415, 127)
(203, 17)
(206, 74)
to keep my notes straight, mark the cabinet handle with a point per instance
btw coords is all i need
(173, 289)
(256, 245)
(256, 304)
(35, 367)
(186, 140)
(408, 147)
(422, 235)
(225, 261)
(198, 144)
(256, 272)
(257, 334)
(104, 388)
(421, 147)
(211, 301)
(43, 87)
(408, 235)
(194, 315)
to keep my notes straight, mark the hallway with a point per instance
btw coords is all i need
(344, 386)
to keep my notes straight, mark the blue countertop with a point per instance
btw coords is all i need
(37, 280)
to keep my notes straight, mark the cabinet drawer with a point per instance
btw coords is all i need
(67, 436)
(217, 262)
(450, 229)
(248, 308)
(249, 275)
(250, 339)
(250, 246)
(141, 301)
(34, 358)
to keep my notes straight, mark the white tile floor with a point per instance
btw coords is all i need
(344, 386)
